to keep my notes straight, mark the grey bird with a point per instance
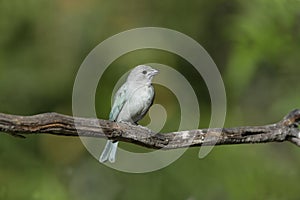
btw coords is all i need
(131, 103)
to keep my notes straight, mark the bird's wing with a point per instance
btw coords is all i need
(119, 101)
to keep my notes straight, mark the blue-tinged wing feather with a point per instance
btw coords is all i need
(119, 101)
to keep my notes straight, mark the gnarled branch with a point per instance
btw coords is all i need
(63, 125)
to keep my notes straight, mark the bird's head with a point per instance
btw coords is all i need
(142, 73)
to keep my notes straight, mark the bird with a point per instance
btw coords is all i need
(131, 103)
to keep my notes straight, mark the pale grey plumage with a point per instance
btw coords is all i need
(131, 103)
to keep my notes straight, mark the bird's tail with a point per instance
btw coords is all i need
(109, 152)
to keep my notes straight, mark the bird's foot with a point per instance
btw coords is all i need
(127, 123)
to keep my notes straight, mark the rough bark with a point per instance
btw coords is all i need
(63, 125)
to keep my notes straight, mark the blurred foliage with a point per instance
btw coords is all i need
(255, 45)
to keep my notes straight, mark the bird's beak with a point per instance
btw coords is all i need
(154, 72)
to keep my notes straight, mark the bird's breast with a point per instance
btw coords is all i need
(139, 102)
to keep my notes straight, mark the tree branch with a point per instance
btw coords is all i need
(63, 125)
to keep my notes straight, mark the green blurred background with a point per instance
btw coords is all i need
(255, 44)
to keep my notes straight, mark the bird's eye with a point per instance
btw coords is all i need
(144, 72)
